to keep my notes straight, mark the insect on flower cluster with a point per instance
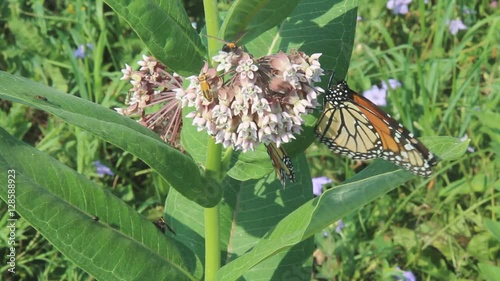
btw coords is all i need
(253, 101)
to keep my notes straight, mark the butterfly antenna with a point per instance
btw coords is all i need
(330, 81)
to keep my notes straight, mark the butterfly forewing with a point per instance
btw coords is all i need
(356, 140)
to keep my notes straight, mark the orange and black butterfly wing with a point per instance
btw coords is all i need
(399, 144)
(345, 129)
(281, 162)
(347, 132)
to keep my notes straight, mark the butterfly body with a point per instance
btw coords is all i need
(353, 126)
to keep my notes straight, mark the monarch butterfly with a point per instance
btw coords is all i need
(162, 225)
(353, 126)
(281, 162)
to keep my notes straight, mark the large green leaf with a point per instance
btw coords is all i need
(248, 210)
(250, 18)
(179, 170)
(61, 204)
(165, 29)
(326, 27)
(377, 179)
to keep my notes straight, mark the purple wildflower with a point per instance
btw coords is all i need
(102, 170)
(318, 184)
(408, 275)
(456, 25)
(393, 84)
(377, 95)
(398, 6)
(83, 51)
(340, 226)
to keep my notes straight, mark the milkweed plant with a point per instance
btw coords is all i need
(200, 116)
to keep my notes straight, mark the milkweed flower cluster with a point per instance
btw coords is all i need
(153, 85)
(253, 101)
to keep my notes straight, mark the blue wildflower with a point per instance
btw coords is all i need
(398, 6)
(83, 51)
(456, 25)
(318, 184)
(102, 170)
(377, 95)
(408, 275)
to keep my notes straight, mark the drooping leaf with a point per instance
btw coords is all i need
(89, 225)
(179, 170)
(165, 29)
